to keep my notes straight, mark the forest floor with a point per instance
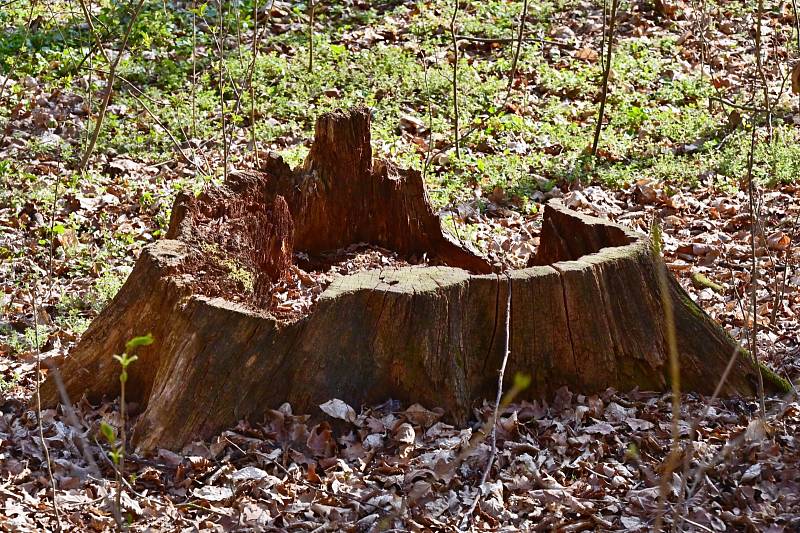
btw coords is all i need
(680, 118)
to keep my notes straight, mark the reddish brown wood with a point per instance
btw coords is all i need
(345, 197)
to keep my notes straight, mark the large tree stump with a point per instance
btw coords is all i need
(586, 313)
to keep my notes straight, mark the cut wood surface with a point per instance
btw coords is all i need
(585, 314)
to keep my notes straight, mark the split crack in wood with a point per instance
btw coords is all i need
(418, 334)
(563, 284)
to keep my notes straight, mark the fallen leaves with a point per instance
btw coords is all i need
(338, 409)
(562, 463)
(586, 54)
(779, 241)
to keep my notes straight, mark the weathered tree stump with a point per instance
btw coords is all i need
(586, 313)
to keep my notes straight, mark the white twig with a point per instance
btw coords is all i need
(39, 404)
(72, 420)
(500, 380)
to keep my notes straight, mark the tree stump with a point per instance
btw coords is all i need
(586, 313)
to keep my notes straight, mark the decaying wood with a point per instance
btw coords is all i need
(341, 196)
(586, 313)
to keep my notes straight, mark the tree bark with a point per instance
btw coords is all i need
(585, 314)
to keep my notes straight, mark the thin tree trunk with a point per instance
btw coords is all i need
(312, 8)
(456, 140)
(110, 83)
(606, 74)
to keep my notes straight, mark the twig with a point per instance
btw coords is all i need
(119, 472)
(51, 251)
(192, 505)
(754, 267)
(39, 404)
(754, 218)
(700, 28)
(507, 40)
(238, 35)
(121, 477)
(693, 433)
(221, 45)
(89, 80)
(742, 107)
(110, 83)
(163, 126)
(760, 66)
(430, 123)
(513, 73)
(339, 494)
(6, 79)
(250, 72)
(606, 74)
(603, 36)
(782, 290)
(796, 22)
(500, 380)
(456, 139)
(194, 69)
(72, 420)
(701, 526)
(730, 447)
(312, 7)
(674, 374)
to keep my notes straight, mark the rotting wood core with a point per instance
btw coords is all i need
(241, 242)
(244, 233)
(230, 276)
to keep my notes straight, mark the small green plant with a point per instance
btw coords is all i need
(117, 441)
(22, 343)
(239, 274)
(7, 384)
(105, 288)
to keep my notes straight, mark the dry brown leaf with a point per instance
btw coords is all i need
(68, 239)
(666, 9)
(312, 475)
(586, 54)
(778, 241)
(336, 408)
(796, 79)
(320, 440)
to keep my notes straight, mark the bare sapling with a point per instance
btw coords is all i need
(521, 382)
(752, 200)
(221, 86)
(674, 375)
(456, 139)
(312, 7)
(40, 425)
(612, 19)
(112, 69)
